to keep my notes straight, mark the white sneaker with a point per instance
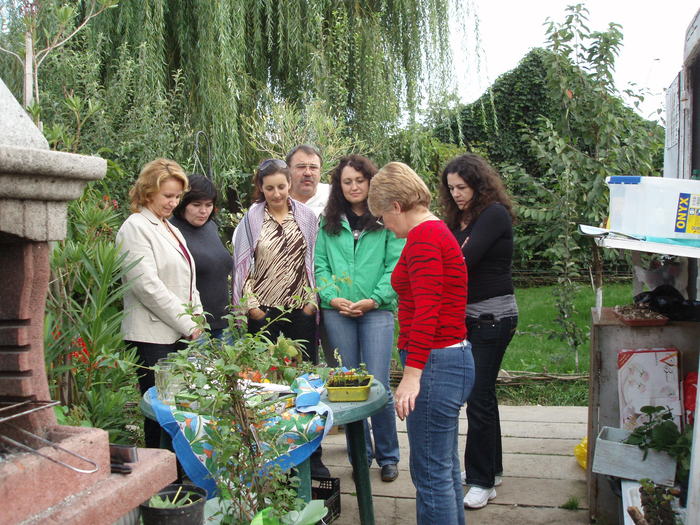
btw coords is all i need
(477, 497)
(497, 481)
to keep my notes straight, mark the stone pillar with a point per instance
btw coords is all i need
(24, 282)
(36, 185)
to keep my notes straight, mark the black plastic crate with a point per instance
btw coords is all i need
(327, 489)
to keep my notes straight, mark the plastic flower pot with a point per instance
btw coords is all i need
(189, 510)
(339, 393)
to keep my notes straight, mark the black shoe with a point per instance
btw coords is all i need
(318, 469)
(390, 472)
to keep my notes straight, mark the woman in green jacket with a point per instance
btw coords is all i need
(354, 259)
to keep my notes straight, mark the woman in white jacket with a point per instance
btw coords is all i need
(162, 282)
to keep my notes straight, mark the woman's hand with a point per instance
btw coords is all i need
(195, 334)
(407, 392)
(309, 309)
(256, 314)
(342, 305)
(363, 306)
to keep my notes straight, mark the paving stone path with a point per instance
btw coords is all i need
(541, 473)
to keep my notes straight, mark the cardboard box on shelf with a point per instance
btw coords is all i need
(647, 376)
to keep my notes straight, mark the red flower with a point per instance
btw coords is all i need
(82, 353)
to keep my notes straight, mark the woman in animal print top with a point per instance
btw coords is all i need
(273, 260)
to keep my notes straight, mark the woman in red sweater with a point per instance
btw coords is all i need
(430, 280)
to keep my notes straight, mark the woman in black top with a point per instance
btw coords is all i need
(193, 217)
(480, 215)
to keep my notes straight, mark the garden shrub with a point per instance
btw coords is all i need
(89, 368)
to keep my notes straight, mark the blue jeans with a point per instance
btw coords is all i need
(483, 456)
(369, 339)
(433, 428)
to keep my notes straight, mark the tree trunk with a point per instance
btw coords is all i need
(597, 276)
(28, 69)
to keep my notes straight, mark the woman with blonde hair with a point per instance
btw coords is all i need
(162, 280)
(430, 280)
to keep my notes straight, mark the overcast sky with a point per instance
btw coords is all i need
(651, 57)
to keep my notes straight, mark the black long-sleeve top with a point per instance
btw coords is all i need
(213, 265)
(488, 253)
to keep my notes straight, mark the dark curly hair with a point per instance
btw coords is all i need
(483, 179)
(338, 205)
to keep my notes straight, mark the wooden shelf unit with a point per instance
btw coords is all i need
(608, 335)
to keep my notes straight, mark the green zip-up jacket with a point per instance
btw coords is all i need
(356, 271)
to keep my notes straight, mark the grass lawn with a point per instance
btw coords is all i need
(535, 347)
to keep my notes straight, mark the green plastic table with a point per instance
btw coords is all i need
(350, 414)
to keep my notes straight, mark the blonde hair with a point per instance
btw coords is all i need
(397, 182)
(151, 177)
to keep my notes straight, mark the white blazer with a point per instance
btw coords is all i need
(162, 282)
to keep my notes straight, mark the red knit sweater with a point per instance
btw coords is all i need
(430, 279)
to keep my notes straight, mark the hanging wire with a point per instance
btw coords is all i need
(197, 161)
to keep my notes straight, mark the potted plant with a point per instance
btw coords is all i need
(176, 504)
(660, 433)
(311, 514)
(656, 449)
(656, 505)
(349, 385)
(224, 376)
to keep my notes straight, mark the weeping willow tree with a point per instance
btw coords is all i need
(161, 69)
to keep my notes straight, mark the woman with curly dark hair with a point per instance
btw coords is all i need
(480, 215)
(355, 256)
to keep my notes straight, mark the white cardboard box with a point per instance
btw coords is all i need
(647, 376)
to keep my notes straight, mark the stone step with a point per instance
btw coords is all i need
(543, 430)
(556, 447)
(511, 444)
(113, 497)
(541, 466)
(541, 472)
